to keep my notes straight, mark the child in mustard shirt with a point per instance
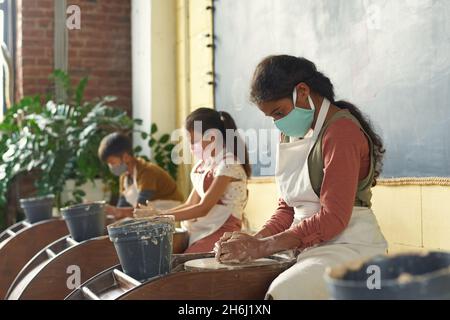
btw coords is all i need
(140, 181)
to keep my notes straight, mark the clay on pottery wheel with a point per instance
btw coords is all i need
(213, 264)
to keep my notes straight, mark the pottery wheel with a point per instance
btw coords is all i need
(213, 264)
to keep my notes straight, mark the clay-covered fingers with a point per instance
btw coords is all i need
(226, 236)
(218, 245)
(229, 257)
(231, 253)
(233, 247)
(217, 251)
(232, 235)
(225, 250)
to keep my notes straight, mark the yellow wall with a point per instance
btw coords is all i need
(414, 216)
(182, 81)
(154, 65)
(194, 57)
(194, 65)
(163, 56)
(201, 54)
(411, 217)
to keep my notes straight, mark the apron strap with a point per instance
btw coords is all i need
(321, 118)
(131, 178)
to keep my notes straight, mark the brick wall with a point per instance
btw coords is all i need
(100, 50)
(34, 57)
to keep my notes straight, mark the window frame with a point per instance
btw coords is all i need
(9, 35)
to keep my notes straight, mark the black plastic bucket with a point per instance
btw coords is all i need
(144, 246)
(401, 277)
(38, 208)
(85, 221)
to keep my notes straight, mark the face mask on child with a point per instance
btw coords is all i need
(118, 170)
(197, 150)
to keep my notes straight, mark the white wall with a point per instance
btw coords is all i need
(154, 64)
(141, 65)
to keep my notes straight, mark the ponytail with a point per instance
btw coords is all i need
(230, 124)
(228, 121)
(222, 121)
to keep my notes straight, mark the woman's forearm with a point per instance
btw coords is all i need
(263, 233)
(188, 204)
(189, 212)
(192, 200)
(279, 242)
(181, 206)
(202, 206)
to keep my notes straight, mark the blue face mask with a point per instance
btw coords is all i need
(298, 122)
(119, 169)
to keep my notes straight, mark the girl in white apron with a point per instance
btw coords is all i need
(219, 180)
(313, 220)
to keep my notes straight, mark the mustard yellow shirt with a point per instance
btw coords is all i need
(153, 183)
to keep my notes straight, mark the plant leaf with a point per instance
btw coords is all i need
(154, 129)
(164, 139)
(79, 91)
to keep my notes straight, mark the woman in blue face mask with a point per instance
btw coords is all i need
(328, 160)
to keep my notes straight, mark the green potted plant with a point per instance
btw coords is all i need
(162, 149)
(59, 138)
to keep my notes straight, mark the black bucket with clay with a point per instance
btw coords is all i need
(85, 221)
(144, 246)
(38, 209)
(401, 277)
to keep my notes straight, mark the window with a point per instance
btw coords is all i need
(7, 36)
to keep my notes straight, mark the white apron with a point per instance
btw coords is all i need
(131, 192)
(202, 227)
(362, 237)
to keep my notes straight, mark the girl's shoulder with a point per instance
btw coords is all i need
(229, 166)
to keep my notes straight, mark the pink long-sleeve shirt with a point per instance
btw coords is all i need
(346, 156)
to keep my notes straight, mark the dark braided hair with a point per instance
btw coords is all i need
(276, 77)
